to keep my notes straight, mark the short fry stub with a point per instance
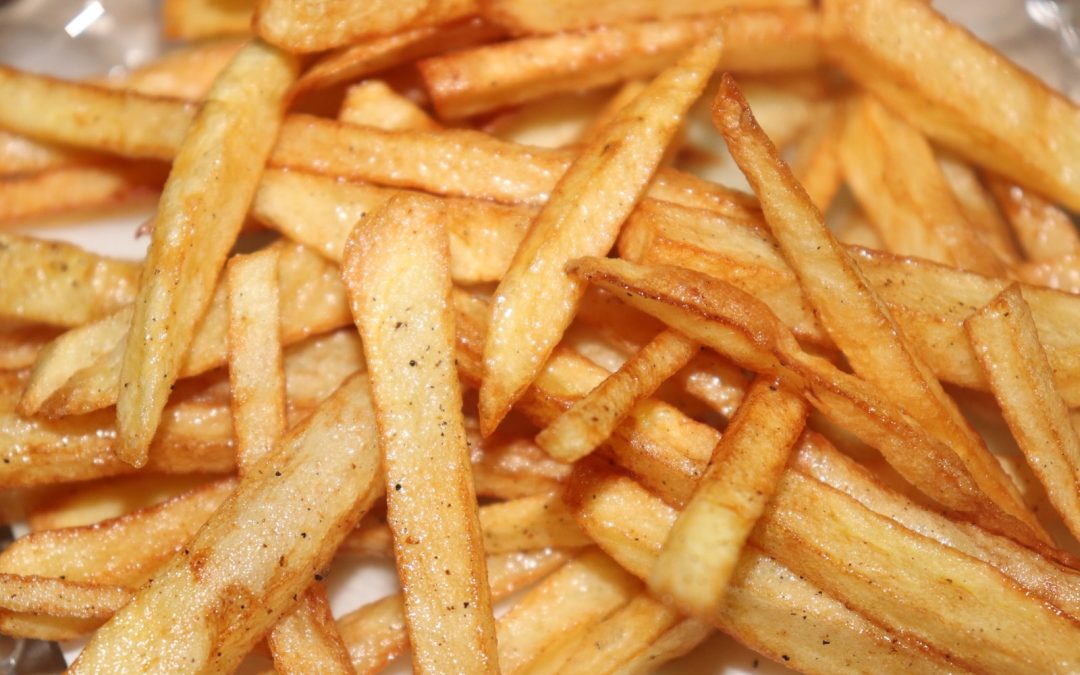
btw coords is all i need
(396, 265)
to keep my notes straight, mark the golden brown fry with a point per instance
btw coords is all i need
(897, 181)
(60, 284)
(1061, 273)
(20, 155)
(76, 188)
(310, 26)
(60, 598)
(185, 73)
(958, 91)
(816, 163)
(785, 106)
(508, 466)
(256, 369)
(314, 487)
(704, 545)
(208, 193)
(198, 19)
(582, 217)
(1043, 229)
(559, 609)
(590, 421)
(375, 633)
(677, 641)
(21, 343)
(374, 103)
(307, 639)
(1006, 342)
(853, 313)
(509, 73)
(979, 205)
(397, 269)
(524, 17)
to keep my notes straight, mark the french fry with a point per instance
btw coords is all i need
(75, 188)
(490, 77)
(559, 609)
(1061, 273)
(21, 343)
(256, 369)
(677, 641)
(60, 284)
(510, 466)
(307, 640)
(374, 103)
(854, 315)
(320, 212)
(1042, 229)
(590, 421)
(209, 190)
(198, 19)
(352, 62)
(980, 206)
(785, 106)
(21, 155)
(958, 91)
(1006, 342)
(766, 601)
(522, 17)
(375, 634)
(307, 26)
(581, 218)
(396, 268)
(816, 163)
(703, 547)
(328, 468)
(185, 73)
(59, 598)
(897, 181)
(740, 327)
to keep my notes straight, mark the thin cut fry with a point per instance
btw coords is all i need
(374, 103)
(677, 641)
(816, 163)
(590, 421)
(396, 267)
(958, 91)
(853, 313)
(583, 217)
(524, 17)
(1042, 229)
(307, 639)
(205, 200)
(1007, 344)
(704, 545)
(1061, 273)
(979, 205)
(246, 567)
(256, 371)
(76, 188)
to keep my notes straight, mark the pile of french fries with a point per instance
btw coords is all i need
(645, 319)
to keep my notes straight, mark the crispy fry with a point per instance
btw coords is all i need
(198, 19)
(979, 205)
(590, 421)
(510, 466)
(1006, 342)
(396, 267)
(893, 173)
(208, 193)
(76, 188)
(523, 17)
(854, 314)
(21, 155)
(374, 103)
(677, 641)
(816, 163)
(328, 468)
(90, 503)
(1061, 273)
(1042, 229)
(491, 77)
(704, 545)
(309, 26)
(307, 640)
(59, 284)
(256, 369)
(186, 73)
(583, 217)
(958, 91)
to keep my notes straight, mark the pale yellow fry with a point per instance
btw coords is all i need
(256, 369)
(554, 16)
(198, 19)
(591, 420)
(895, 177)
(630, 629)
(959, 91)
(59, 597)
(1042, 228)
(584, 591)
(703, 547)
(313, 25)
(1007, 345)
(536, 299)
(677, 641)
(852, 312)
(374, 103)
(307, 639)
(397, 269)
(209, 605)
(206, 198)
(60, 284)
(83, 115)
(375, 634)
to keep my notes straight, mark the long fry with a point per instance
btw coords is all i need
(212, 184)
(396, 267)
(583, 217)
(307, 639)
